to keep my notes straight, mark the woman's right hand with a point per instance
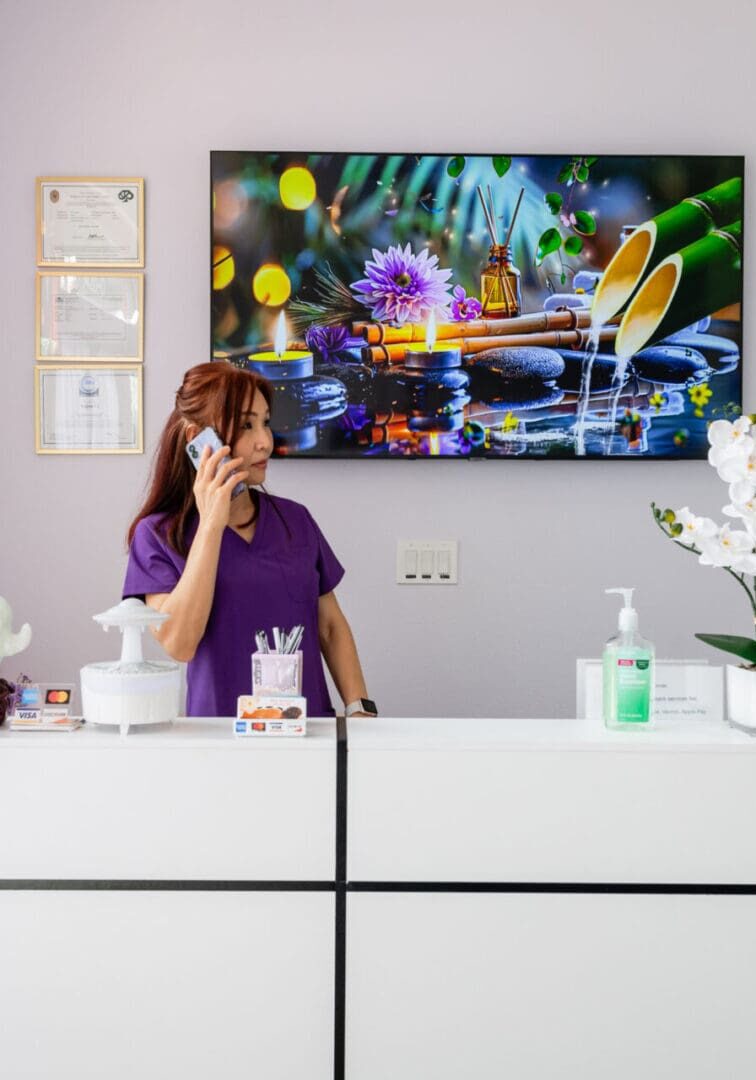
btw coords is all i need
(213, 486)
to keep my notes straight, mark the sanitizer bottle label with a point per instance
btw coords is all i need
(633, 682)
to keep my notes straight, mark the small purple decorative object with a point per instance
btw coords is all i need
(327, 341)
(464, 308)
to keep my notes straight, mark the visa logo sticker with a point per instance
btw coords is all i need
(240, 727)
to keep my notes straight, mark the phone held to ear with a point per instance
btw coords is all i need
(209, 437)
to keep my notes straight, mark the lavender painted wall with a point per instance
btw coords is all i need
(147, 89)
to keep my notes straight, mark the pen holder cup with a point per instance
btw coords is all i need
(277, 673)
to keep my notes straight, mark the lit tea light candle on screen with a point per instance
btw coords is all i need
(432, 354)
(281, 363)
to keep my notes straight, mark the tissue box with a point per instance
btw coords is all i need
(278, 715)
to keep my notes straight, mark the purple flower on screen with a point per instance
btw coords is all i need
(328, 340)
(464, 307)
(400, 287)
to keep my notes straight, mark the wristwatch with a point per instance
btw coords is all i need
(361, 705)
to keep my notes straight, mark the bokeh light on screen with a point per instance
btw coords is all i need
(271, 285)
(223, 267)
(297, 188)
(229, 203)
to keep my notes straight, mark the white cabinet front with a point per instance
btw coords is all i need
(164, 985)
(538, 986)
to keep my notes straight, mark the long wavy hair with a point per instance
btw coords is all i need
(211, 395)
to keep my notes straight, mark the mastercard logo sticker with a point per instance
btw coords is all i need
(57, 697)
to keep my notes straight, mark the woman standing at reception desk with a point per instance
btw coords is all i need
(226, 567)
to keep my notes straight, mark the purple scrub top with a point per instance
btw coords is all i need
(275, 580)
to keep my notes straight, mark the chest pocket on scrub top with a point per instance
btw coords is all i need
(300, 577)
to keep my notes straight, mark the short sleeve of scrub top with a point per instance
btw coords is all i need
(274, 580)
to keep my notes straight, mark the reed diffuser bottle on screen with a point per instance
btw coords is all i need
(500, 290)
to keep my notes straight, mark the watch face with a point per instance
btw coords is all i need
(369, 706)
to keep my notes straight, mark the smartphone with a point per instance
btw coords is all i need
(209, 437)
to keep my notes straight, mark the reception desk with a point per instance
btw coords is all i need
(399, 898)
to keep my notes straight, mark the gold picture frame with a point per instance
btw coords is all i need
(65, 304)
(88, 409)
(90, 221)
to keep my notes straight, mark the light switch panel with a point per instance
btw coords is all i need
(426, 562)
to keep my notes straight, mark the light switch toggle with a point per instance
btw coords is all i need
(426, 562)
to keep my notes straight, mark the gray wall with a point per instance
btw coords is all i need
(147, 89)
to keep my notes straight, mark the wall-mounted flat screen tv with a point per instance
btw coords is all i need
(482, 306)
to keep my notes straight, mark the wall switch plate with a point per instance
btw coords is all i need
(426, 562)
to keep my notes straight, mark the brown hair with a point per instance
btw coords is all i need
(211, 395)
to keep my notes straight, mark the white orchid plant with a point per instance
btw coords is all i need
(732, 452)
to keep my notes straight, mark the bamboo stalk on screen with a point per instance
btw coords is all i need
(539, 322)
(470, 346)
(655, 240)
(688, 285)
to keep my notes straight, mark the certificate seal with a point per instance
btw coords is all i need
(54, 195)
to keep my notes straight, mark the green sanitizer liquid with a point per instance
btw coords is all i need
(628, 673)
(628, 685)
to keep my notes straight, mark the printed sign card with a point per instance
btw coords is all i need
(683, 690)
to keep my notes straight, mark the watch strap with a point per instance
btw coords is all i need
(361, 705)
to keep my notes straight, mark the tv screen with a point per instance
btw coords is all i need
(495, 306)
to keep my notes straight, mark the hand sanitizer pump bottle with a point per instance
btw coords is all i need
(628, 672)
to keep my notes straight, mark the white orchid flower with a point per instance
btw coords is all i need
(742, 491)
(743, 504)
(734, 451)
(729, 441)
(738, 466)
(695, 530)
(726, 547)
(723, 434)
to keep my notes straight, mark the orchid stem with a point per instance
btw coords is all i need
(740, 578)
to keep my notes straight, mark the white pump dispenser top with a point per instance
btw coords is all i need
(628, 616)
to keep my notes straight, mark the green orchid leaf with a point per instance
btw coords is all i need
(562, 278)
(564, 173)
(554, 201)
(501, 164)
(455, 166)
(573, 245)
(743, 647)
(549, 241)
(590, 160)
(585, 223)
(582, 173)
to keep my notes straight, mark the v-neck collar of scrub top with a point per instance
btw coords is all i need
(259, 525)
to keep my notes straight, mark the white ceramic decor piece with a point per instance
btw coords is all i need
(11, 643)
(130, 691)
(741, 697)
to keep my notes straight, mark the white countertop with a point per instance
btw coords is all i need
(400, 733)
(432, 733)
(185, 733)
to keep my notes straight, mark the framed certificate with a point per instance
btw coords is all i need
(90, 221)
(88, 409)
(89, 316)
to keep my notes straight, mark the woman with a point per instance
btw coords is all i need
(224, 568)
